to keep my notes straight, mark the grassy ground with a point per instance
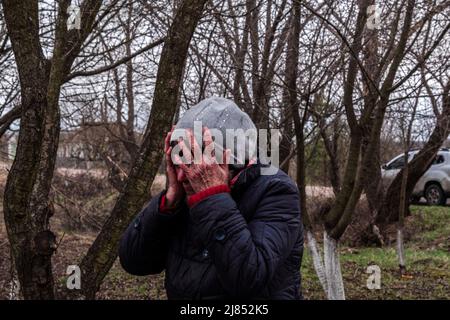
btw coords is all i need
(427, 258)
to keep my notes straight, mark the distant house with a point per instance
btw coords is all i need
(90, 143)
(83, 147)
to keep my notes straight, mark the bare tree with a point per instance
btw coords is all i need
(27, 207)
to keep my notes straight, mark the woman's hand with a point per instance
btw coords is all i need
(208, 173)
(175, 191)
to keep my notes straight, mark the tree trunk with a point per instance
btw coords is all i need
(317, 260)
(400, 250)
(286, 141)
(332, 149)
(27, 205)
(26, 217)
(333, 268)
(371, 61)
(130, 138)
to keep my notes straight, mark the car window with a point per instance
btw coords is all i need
(439, 159)
(397, 164)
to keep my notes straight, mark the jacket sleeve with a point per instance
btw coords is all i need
(144, 245)
(246, 255)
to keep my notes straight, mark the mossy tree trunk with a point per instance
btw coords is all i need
(27, 205)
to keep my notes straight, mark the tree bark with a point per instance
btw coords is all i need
(27, 223)
(291, 100)
(372, 66)
(318, 264)
(335, 284)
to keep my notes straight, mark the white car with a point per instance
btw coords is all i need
(434, 185)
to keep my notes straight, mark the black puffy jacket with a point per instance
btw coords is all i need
(243, 244)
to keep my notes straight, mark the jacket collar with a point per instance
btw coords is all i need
(246, 177)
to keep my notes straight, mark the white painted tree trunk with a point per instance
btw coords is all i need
(333, 269)
(400, 249)
(317, 260)
(14, 289)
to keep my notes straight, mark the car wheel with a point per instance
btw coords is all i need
(435, 195)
